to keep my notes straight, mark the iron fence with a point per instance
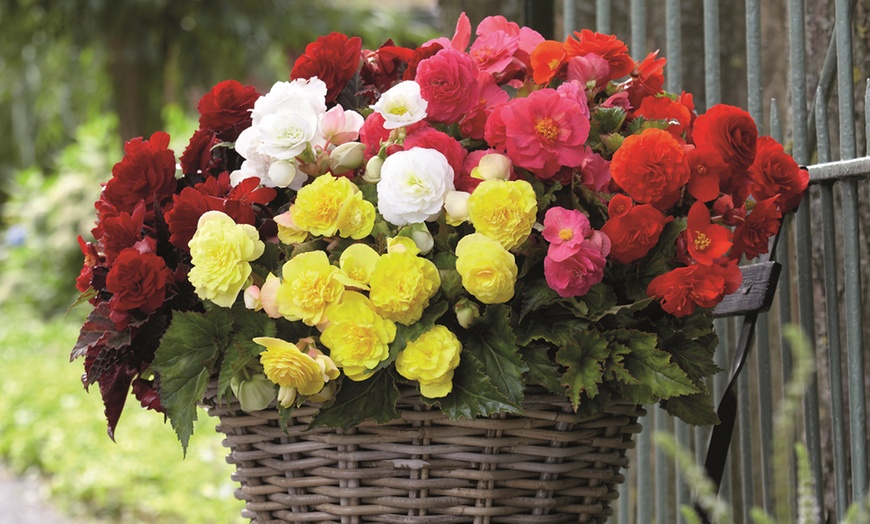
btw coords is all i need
(821, 282)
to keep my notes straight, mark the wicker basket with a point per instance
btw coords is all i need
(544, 467)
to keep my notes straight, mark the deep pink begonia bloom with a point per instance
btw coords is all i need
(448, 82)
(574, 276)
(494, 52)
(546, 132)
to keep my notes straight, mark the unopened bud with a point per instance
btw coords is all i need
(254, 393)
(346, 157)
(373, 170)
(467, 313)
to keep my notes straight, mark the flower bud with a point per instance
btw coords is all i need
(252, 298)
(467, 312)
(254, 393)
(346, 157)
(324, 394)
(456, 206)
(286, 396)
(282, 173)
(373, 170)
(421, 236)
(492, 166)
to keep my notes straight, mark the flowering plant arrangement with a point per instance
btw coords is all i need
(469, 220)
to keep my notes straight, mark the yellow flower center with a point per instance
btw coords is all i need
(702, 241)
(547, 129)
(554, 63)
(566, 234)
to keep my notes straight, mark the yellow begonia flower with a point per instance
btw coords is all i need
(288, 367)
(220, 253)
(357, 263)
(356, 218)
(358, 338)
(402, 284)
(430, 360)
(307, 288)
(503, 210)
(402, 244)
(318, 205)
(288, 231)
(488, 270)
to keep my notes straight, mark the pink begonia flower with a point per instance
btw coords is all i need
(461, 35)
(587, 68)
(574, 276)
(618, 100)
(595, 171)
(373, 134)
(565, 230)
(340, 126)
(528, 38)
(491, 95)
(492, 53)
(448, 82)
(547, 132)
(577, 92)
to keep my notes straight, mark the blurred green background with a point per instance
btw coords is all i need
(77, 79)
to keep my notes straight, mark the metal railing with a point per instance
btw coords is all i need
(820, 286)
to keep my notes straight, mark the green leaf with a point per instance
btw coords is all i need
(537, 294)
(596, 303)
(694, 409)
(242, 352)
(557, 328)
(451, 283)
(614, 368)
(584, 359)
(185, 361)
(474, 394)
(694, 356)
(653, 367)
(542, 371)
(374, 398)
(493, 342)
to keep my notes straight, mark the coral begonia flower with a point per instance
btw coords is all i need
(706, 168)
(565, 230)
(751, 238)
(548, 59)
(706, 241)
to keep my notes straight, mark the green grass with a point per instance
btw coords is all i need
(50, 425)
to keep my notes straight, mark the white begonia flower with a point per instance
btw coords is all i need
(312, 91)
(413, 186)
(402, 105)
(339, 126)
(286, 133)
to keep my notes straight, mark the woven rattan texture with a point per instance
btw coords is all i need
(544, 467)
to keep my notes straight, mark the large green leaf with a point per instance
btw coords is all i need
(374, 398)
(493, 343)
(536, 295)
(553, 326)
(584, 359)
(185, 360)
(694, 409)
(653, 367)
(474, 394)
(242, 352)
(542, 371)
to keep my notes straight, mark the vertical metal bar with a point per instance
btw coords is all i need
(747, 472)
(832, 311)
(674, 46)
(854, 335)
(712, 81)
(622, 508)
(638, 28)
(785, 489)
(644, 471)
(684, 441)
(662, 493)
(602, 16)
(806, 308)
(569, 17)
(753, 61)
(845, 92)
